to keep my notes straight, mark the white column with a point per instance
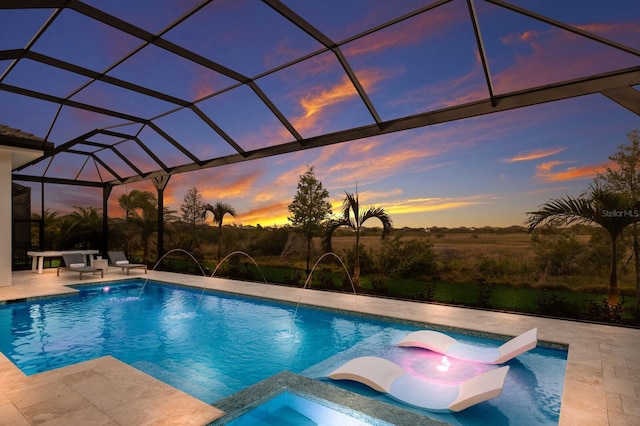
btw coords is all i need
(6, 203)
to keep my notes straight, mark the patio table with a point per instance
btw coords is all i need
(37, 263)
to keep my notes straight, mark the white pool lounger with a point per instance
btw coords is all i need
(446, 345)
(388, 377)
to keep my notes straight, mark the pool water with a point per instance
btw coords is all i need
(289, 408)
(214, 345)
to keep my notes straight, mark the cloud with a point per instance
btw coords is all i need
(466, 88)
(543, 57)
(528, 36)
(266, 215)
(425, 205)
(534, 155)
(412, 31)
(548, 171)
(319, 100)
(203, 85)
(611, 28)
(217, 184)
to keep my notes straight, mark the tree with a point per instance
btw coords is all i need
(84, 227)
(219, 210)
(309, 208)
(52, 224)
(557, 251)
(192, 207)
(624, 178)
(141, 209)
(611, 210)
(351, 205)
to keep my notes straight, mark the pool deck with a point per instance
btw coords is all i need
(602, 382)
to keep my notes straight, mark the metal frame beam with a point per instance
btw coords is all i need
(599, 84)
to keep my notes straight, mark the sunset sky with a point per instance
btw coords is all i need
(484, 171)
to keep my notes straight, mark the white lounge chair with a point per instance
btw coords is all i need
(75, 262)
(446, 345)
(119, 260)
(388, 377)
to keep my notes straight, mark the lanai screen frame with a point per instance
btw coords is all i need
(619, 85)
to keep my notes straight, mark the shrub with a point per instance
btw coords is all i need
(366, 260)
(553, 305)
(557, 251)
(268, 242)
(324, 278)
(601, 311)
(485, 293)
(413, 258)
(234, 268)
(428, 294)
(296, 278)
(379, 285)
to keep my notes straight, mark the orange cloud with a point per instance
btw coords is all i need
(528, 36)
(202, 86)
(555, 55)
(215, 184)
(412, 31)
(237, 187)
(425, 205)
(381, 159)
(313, 103)
(611, 28)
(366, 198)
(546, 171)
(415, 205)
(292, 175)
(268, 215)
(318, 101)
(534, 155)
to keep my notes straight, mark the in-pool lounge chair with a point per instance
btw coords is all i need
(386, 376)
(120, 260)
(447, 345)
(75, 262)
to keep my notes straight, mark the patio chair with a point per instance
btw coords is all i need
(388, 377)
(75, 262)
(119, 260)
(446, 345)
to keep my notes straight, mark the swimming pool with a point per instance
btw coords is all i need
(289, 408)
(232, 342)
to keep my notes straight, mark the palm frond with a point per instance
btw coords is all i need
(562, 212)
(380, 214)
(330, 228)
(350, 204)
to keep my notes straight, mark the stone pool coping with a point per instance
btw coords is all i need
(602, 380)
(102, 391)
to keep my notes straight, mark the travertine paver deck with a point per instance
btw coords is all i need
(602, 383)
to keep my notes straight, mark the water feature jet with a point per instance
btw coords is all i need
(218, 266)
(233, 254)
(162, 258)
(308, 280)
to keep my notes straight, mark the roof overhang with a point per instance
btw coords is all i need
(22, 147)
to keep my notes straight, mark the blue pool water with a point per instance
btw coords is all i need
(232, 342)
(290, 409)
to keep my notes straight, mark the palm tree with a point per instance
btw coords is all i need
(85, 225)
(141, 209)
(51, 228)
(351, 205)
(219, 210)
(608, 209)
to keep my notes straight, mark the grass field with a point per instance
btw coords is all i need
(495, 270)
